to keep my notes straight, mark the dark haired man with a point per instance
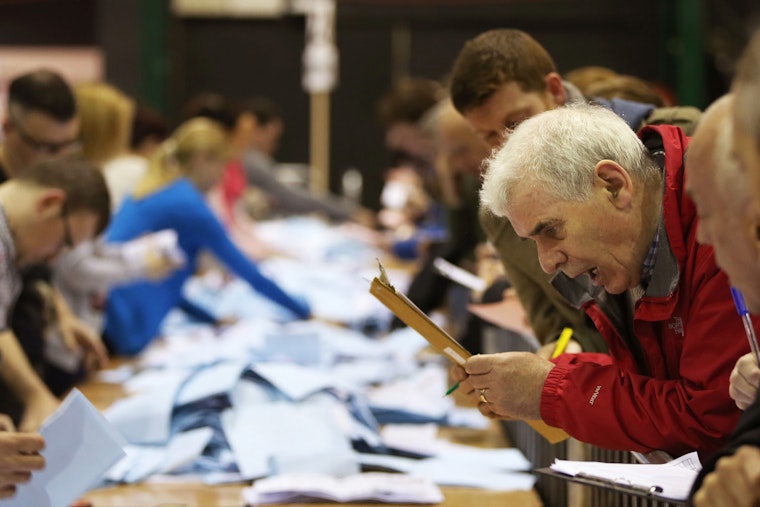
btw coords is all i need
(48, 207)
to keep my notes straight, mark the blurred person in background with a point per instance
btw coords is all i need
(171, 196)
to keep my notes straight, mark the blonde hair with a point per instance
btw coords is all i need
(196, 136)
(106, 120)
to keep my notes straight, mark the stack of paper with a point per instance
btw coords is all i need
(366, 487)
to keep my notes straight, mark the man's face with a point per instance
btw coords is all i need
(506, 109)
(725, 218)
(54, 232)
(34, 136)
(459, 148)
(591, 238)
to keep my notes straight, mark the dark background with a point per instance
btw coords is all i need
(688, 45)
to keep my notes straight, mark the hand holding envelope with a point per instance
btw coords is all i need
(19, 456)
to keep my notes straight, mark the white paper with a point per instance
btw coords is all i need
(80, 446)
(375, 486)
(459, 275)
(675, 478)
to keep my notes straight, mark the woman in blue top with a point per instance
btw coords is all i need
(171, 196)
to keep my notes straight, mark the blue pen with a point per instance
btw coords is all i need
(748, 329)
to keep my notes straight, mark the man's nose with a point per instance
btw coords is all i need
(551, 259)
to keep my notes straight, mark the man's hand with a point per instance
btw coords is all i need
(745, 380)
(505, 385)
(735, 482)
(77, 335)
(19, 456)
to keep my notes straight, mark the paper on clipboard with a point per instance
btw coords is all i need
(439, 339)
(670, 481)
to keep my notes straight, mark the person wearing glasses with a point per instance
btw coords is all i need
(40, 124)
(41, 121)
(46, 208)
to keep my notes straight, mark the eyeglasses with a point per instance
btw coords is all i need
(44, 147)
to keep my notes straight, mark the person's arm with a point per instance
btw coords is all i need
(196, 311)
(24, 383)
(734, 483)
(260, 173)
(691, 410)
(209, 232)
(93, 266)
(76, 334)
(733, 471)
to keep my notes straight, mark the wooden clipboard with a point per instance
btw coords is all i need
(439, 339)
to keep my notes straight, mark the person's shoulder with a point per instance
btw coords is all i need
(684, 117)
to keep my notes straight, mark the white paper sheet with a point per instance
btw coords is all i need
(674, 479)
(80, 446)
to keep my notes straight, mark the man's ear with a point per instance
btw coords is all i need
(614, 180)
(555, 88)
(49, 202)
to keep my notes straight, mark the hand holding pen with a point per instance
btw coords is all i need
(559, 349)
(745, 377)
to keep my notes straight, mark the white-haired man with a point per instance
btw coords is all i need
(609, 216)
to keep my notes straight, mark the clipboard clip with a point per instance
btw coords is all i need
(384, 276)
(624, 483)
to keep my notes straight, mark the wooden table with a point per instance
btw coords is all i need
(201, 495)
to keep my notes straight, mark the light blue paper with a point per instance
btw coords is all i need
(145, 418)
(216, 379)
(295, 381)
(265, 437)
(80, 446)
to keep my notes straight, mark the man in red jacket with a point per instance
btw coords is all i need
(609, 216)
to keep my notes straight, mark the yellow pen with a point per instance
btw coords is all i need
(562, 342)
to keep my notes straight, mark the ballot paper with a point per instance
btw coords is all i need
(459, 275)
(670, 481)
(366, 487)
(80, 446)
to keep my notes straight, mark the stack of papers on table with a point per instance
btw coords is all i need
(366, 487)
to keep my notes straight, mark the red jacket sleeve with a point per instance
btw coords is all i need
(605, 405)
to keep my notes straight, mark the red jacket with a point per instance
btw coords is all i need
(674, 396)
